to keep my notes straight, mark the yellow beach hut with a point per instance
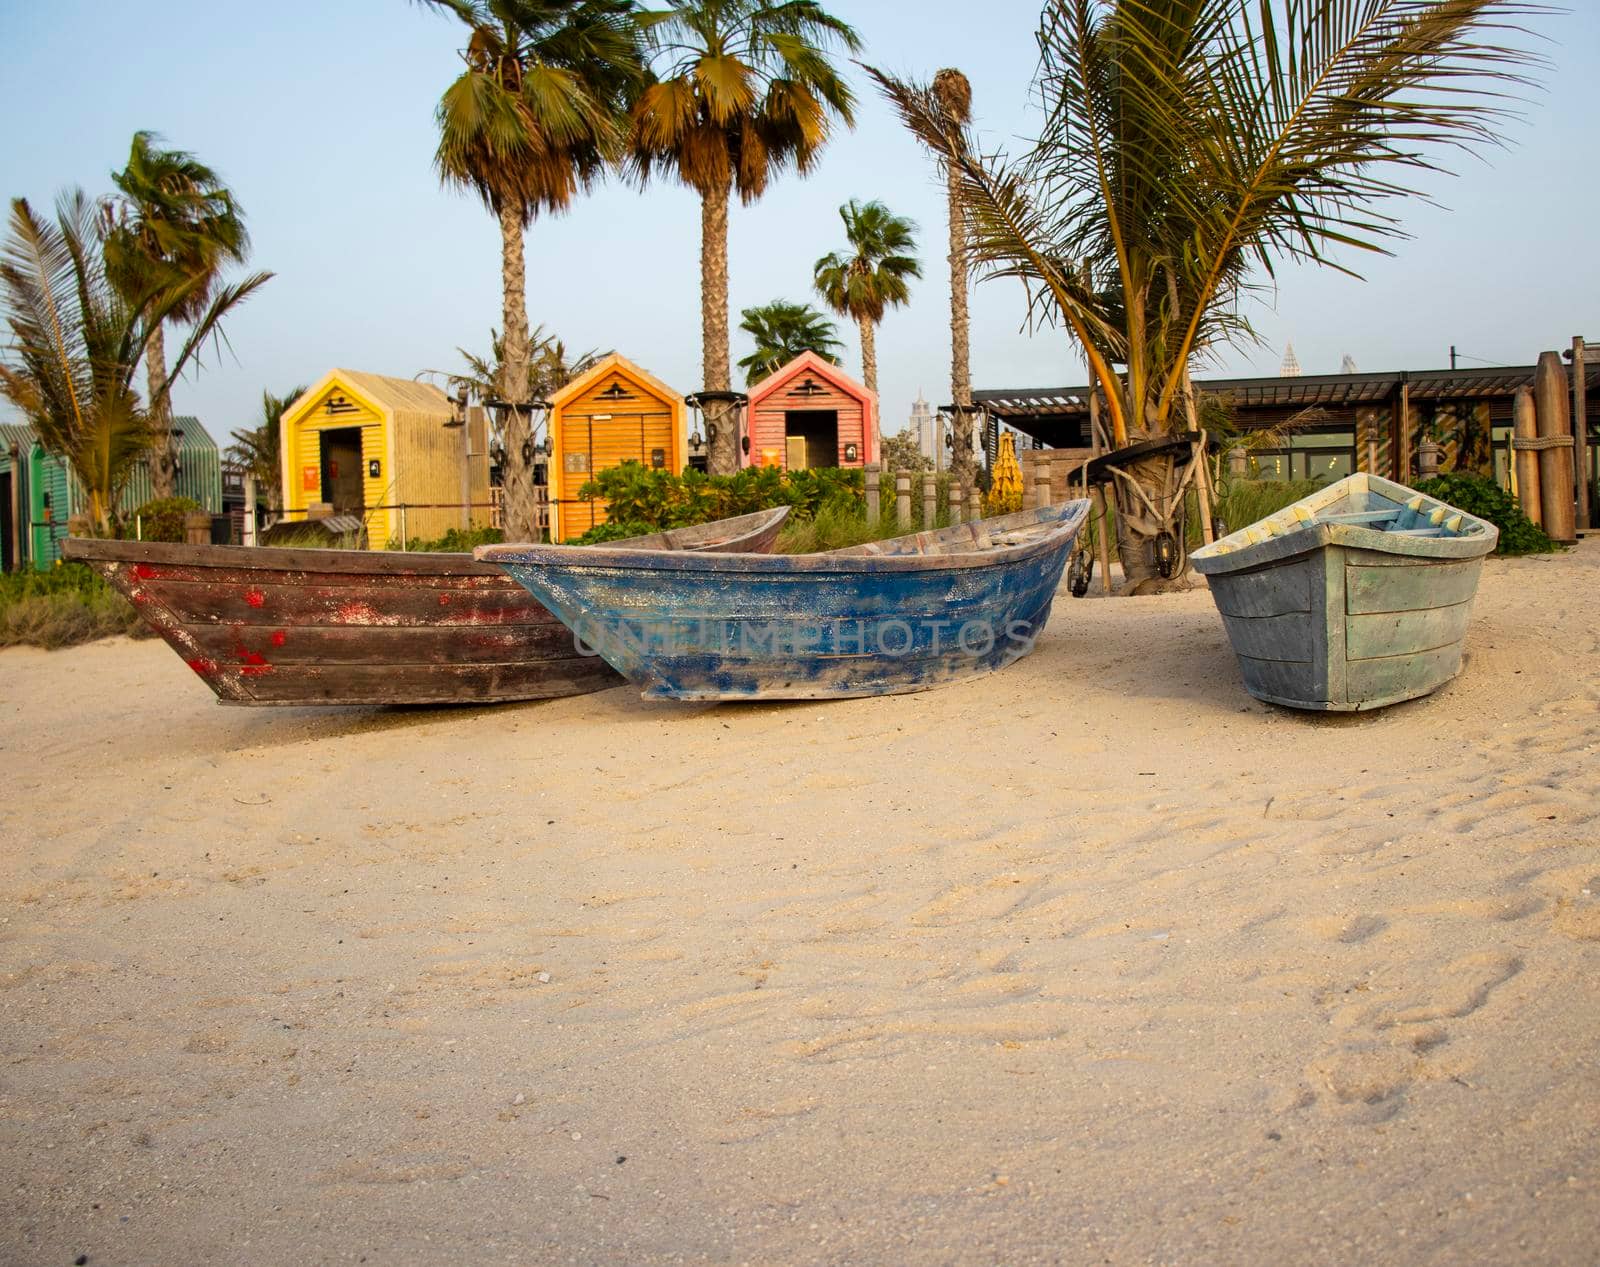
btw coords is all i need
(386, 449)
(614, 413)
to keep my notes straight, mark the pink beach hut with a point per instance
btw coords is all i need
(810, 413)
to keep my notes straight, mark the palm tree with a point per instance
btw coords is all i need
(873, 277)
(550, 367)
(1188, 148)
(536, 116)
(782, 331)
(953, 93)
(76, 340)
(745, 90)
(258, 449)
(174, 219)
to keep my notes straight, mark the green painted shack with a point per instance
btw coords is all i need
(16, 444)
(55, 495)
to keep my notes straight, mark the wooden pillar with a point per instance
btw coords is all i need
(930, 499)
(1525, 426)
(249, 529)
(874, 478)
(974, 503)
(1238, 462)
(1102, 536)
(1555, 462)
(197, 528)
(1428, 459)
(1580, 427)
(1041, 485)
(1202, 490)
(1402, 435)
(955, 503)
(902, 498)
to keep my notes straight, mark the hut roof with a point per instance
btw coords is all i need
(809, 362)
(385, 394)
(615, 362)
(15, 436)
(193, 438)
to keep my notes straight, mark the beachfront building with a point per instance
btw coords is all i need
(1337, 423)
(616, 412)
(16, 443)
(808, 414)
(54, 494)
(390, 451)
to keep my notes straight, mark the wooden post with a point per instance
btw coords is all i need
(1102, 539)
(902, 498)
(955, 503)
(930, 499)
(1402, 436)
(974, 503)
(1555, 463)
(1238, 462)
(874, 478)
(197, 528)
(1428, 459)
(78, 526)
(249, 529)
(1041, 485)
(1525, 426)
(1202, 488)
(1580, 427)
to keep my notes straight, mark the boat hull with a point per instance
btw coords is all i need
(264, 626)
(827, 626)
(1342, 617)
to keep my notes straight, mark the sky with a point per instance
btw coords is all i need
(319, 115)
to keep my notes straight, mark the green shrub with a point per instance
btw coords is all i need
(613, 530)
(639, 495)
(62, 607)
(161, 519)
(1487, 500)
(453, 542)
(1240, 503)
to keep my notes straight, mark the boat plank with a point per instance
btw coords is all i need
(430, 684)
(1422, 586)
(315, 645)
(1281, 637)
(1279, 591)
(1380, 634)
(1373, 683)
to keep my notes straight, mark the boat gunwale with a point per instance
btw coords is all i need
(1238, 553)
(853, 560)
(313, 559)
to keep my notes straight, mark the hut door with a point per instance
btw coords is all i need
(8, 528)
(342, 482)
(818, 430)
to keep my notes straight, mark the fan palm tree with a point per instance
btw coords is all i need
(76, 340)
(872, 277)
(257, 450)
(953, 94)
(1188, 148)
(174, 220)
(782, 331)
(536, 117)
(745, 89)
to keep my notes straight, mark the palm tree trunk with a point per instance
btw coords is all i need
(869, 376)
(516, 473)
(722, 418)
(164, 456)
(962, 462)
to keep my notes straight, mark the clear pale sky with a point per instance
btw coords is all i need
(319, 114)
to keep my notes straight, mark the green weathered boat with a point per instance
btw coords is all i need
(1355, 597)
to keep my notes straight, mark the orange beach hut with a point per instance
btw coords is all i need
(615, 413)
(810, 413)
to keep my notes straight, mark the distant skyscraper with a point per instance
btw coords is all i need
(925, 427)
(1291, 363)
(1348, 365)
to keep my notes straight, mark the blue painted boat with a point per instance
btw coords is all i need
(877, 619)
(1355, 597)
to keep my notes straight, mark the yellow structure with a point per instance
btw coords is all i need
(615, 413)
(1005, 486)
(383, 448)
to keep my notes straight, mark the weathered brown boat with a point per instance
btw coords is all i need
(286, 626)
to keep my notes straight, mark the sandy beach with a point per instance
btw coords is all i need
(1096, 960)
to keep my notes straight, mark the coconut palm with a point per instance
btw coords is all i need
(76, 340)
(174, 219)
(745, 90)
(536, 117)
(872, 277)
(258, 449)
(953, 95)
(550, 367)
(782, 331)
(1188, 148)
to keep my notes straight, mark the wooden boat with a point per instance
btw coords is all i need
(297, 626)
(886, 617)
(1355, 597)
